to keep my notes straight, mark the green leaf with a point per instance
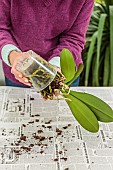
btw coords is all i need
(99, 42)
(111, 45)
(78, 72)
(100, 115)
(108, 3)
(89, 57)
(83, 114)
(67, 64)
(100, 8)
(106, 67)
(104, 111)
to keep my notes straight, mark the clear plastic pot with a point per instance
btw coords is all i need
(39, 71)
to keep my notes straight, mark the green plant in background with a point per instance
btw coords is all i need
(99, 1)
(98, 53)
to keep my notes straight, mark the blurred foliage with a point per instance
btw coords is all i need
(99, 1)
(98, 52)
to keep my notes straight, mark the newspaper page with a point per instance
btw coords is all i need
(43, 135)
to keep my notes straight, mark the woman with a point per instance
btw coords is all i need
(44, 26)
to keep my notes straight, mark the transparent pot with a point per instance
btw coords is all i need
(39, 71)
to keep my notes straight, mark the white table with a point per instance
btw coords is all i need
(44, 135)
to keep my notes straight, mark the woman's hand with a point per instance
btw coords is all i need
(14, 58)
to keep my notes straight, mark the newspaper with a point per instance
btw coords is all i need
(43, 135)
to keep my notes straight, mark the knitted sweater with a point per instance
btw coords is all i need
(44, 26)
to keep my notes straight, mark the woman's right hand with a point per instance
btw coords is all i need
(14, 58)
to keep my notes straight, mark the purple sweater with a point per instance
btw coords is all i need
(45, 26)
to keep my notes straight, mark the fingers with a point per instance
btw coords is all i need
(23, 80)
(16, 72)
(18, 75)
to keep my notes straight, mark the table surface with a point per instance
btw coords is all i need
(44, 135)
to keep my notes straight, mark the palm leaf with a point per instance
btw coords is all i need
(111, 45)
(99, 42)
(108, 3)
(89, 57)
(106, 67)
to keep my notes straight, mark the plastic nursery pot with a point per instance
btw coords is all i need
(39, 71)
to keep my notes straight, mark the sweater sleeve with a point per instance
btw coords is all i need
(74, 38)
(5, 25)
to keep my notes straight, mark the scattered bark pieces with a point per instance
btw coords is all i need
(23, 138)
(65, 159)
(48, 122)
(59, 132)
(56, 159)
